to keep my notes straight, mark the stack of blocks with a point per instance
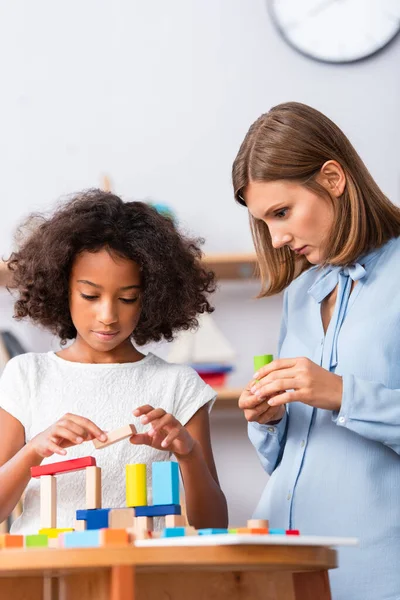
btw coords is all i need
(96, 526)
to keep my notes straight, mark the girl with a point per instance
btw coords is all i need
(105, 273)
(325, 417)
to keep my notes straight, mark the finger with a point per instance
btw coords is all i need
(74, 427)
(275, 365)
(67, 434)
(142, 410)
(56, 449)
(166, 422)
(276, 387)
(291, 396)
(281, 374)
(153, 415)
(249, 402)
(141, 438)
(89, 426)
(263, 409)
(170, 437)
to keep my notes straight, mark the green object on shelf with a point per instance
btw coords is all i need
(262, 360)
(36, 541)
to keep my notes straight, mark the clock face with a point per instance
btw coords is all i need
(337, 31)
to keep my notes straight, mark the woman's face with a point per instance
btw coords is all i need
(295, 216)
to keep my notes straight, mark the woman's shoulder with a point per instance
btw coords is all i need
(179, 370)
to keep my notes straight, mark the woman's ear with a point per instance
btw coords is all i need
(332, 177)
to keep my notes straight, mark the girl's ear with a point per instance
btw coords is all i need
(332, 177)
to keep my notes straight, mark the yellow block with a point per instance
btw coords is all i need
(136, 485)
(53, 533)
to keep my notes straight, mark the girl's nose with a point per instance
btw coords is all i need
(279, 240)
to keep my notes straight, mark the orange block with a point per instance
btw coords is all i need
(8, 540)
(114, 537)
(256, 530)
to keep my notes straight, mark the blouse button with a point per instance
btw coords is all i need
(289, 496)
(302, 444)
(271, 429)
(341, 419)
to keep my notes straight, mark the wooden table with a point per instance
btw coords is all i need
(173, 573)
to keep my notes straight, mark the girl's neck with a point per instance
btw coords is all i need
(80, 351)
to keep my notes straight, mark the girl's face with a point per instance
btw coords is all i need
(104, 298)
(295, 216)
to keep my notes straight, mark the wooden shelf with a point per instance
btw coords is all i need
(227, 397)
(232, 266)
(225, 266)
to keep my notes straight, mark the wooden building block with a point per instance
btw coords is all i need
(165, 482)
(82, 539)
(93, 487)
(48, 501)
(158, 511)
(258, 523)
(255, 530)
(96, 518)
(53, 543)
(136, 485)
(65, 466)
(115, 436)
(53, 533)
(143, 523)
(8, 540)
(80, 525)
(121, 518)
(114, 537)
(36, 541)
(175, 521)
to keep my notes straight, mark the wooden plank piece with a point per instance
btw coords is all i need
(115, 436)
(93, 487)
(65, 466)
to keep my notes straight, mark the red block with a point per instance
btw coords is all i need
(292, 532)
(65, 466)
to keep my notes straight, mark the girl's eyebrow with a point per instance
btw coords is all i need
(127, 287)
(273, 208)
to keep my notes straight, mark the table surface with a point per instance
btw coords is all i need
(223, 558)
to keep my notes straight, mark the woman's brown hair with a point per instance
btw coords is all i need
(291, 142)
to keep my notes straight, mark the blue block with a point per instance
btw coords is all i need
(165, 483)
(82, 539)
(277, 532)
(211, 531)
(157, 511)
(96, 518)
(173, 532)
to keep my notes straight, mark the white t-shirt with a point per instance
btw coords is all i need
(39, 388)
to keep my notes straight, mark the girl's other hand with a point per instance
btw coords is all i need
(258, 410)
(165, 433)
(70, 430)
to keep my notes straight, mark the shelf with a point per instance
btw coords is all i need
(225, 266)
(232, 266)
(227, 397)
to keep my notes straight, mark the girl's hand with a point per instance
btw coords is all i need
(257, 409)
(70, 430)
(165, 433)
(306, 382)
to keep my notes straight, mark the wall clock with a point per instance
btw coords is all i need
(337, 31)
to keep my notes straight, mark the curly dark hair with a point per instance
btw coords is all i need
(175, 283)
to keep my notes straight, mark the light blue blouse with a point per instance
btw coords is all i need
(339, 473)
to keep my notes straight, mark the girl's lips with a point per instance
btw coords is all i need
(105, 336)
(301, 250)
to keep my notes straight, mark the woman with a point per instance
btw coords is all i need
(325, 417)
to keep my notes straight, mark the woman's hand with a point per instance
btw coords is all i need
(165, 433)
(298, 380)
(257, 409)
(70, 430)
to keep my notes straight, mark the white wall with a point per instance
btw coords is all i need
(159, 96)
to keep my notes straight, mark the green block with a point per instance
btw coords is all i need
(262, 360)
(36, 541)
(232, 530)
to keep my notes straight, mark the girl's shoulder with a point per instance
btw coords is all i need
(28, 362)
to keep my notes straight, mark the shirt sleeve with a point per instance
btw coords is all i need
(269, 440)
(371, 410)
(191, 394)
(14, 391)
